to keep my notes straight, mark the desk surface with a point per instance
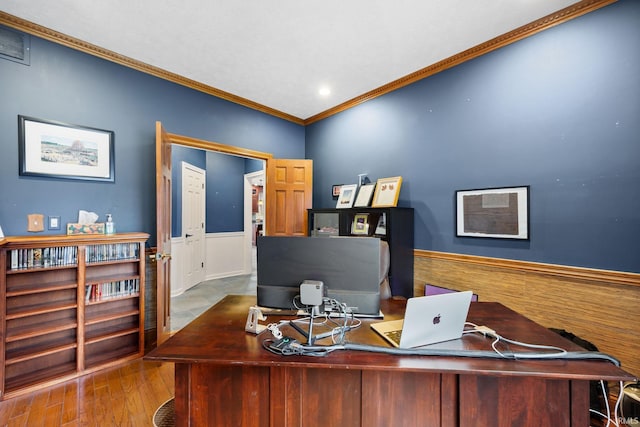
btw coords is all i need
(218, 337)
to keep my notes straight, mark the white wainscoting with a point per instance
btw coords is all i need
(177, 260)
(225, 257)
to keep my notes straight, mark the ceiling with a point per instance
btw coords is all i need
(279, 53)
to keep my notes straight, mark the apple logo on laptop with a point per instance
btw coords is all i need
(436, 320)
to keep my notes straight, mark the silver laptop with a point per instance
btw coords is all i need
(428, 320)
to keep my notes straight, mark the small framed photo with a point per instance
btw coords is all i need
(60, 150)
(364, 196)
(347, 196)
(360, 225)
(387, 192)
(501, 213)
(335, 190)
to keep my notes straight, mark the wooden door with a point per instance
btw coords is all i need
(163, 233)
(288, 194)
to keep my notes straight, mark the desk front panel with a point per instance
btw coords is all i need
(232, 396)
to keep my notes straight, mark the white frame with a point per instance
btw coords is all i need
(347, 196)
(365, 193)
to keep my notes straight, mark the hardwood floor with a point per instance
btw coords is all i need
(126, 395)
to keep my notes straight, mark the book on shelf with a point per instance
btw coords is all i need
(43, 257)
(112, 252)
(110, 290)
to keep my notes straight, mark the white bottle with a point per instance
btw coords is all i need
(110, 226)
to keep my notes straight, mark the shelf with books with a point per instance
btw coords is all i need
(112, 252)
(102, 291)
(51, 332)
(102, 311)
(43, 257)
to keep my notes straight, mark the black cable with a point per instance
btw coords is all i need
(575, 355)
(323, 350)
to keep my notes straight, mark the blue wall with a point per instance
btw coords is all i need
(69, 86)
(224, 188)
(225, 193)
(559, 111)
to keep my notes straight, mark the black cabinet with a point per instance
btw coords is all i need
(393, 225)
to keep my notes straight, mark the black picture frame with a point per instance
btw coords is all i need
(59, 150)
(499, 213)
(335, 190)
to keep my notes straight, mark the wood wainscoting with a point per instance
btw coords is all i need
(600, 306)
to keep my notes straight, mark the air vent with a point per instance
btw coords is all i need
(14, 46)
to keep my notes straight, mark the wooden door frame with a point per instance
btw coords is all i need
(202, 144)
(189, 142)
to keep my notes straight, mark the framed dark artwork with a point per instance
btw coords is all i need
(501, 213)
(60, 150)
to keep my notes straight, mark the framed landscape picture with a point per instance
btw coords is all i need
(347, 196)
(60, 150)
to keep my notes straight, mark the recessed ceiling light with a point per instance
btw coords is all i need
(324, 91)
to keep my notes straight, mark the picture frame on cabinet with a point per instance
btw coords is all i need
(360, 225)
(364, 196)
(347, 196)
(60, 150)
(499, 213)
(335, 190)
(387, 192)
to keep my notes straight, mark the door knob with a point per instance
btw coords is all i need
(188, 235)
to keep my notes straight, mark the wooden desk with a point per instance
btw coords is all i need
(225, 378)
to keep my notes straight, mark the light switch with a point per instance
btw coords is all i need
(54, 223)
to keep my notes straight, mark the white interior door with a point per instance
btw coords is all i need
(193, 224)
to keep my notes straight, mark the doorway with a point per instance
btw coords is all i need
(225, 247)
(288, 195)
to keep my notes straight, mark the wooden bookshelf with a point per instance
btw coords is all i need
(70, 305)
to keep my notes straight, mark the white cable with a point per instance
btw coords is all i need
(497, 338)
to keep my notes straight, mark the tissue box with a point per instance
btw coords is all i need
(75, 228)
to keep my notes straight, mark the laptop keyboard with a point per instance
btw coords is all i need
(394, 336)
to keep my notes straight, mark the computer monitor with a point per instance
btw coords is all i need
(349, 267)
